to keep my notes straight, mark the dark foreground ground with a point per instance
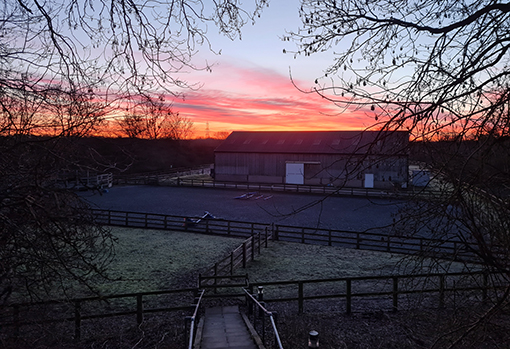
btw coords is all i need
(345, 213)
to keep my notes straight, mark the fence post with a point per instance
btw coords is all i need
(441, 290)
(166, 223)
(485, 284)
(127, 220)
(265, 243)
(215, 274)
(109, 217)
(16, 320)
(228, 228)
(232, 263)
(275, 235)
(348, 296)
(146, 220)
(395, 293)
(258, 248)
(388, 247)
(330, 242)
(77, 320)
(302, 235)
(253, 248)
(244, 254)
(300, 297)
(252, 230)
(139, 309)
(358, 240)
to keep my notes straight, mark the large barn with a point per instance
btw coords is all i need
(368, 159)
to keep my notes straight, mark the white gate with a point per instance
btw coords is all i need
(295, 173)
(369, 180)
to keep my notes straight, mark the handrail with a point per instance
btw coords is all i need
(268, 313)
(192, 319)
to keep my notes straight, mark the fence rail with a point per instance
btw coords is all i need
(179, 223)
(311, 189)
(155, 177)
(448, 249)
(87, 308)
(453, 249)
(385, 286)
(239, 257)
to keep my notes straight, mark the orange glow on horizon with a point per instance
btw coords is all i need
(257, 99)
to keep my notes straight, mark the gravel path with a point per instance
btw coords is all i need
(348, 213)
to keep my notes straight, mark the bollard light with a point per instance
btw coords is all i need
(260, 293)
(313, 339)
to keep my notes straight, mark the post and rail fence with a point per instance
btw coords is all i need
(388, 287)
(365, 240)
(222, 270)
(309, 189)
(75, 311)
(238, 257)
(481, 285)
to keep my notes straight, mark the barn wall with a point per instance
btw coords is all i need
(320, 169)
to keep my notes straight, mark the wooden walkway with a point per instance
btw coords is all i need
(223, 328)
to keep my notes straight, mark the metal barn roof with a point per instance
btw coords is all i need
(316, 142)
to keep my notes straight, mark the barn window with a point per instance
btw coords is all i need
(248, 141)
(298, 141)
(281, 141)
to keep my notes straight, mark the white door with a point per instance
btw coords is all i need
(369, 180)
(295, 173)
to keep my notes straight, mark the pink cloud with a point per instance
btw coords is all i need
(254, 98)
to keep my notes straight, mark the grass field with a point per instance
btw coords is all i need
(149, 260)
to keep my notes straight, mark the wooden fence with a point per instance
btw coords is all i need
(380, 288)
(387, 287)
(179, 223)
(84, 308)
(222, 273)
(155, 177)
(240, 256)
(310, 189)
(448, 249)
(74, 311)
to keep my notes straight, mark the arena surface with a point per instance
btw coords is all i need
(343, 213)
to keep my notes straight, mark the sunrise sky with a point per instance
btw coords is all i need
(249, 87)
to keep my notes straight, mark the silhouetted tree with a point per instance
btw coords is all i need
(432, 68)
(48, 240)
(154, 119)
(66, 67)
